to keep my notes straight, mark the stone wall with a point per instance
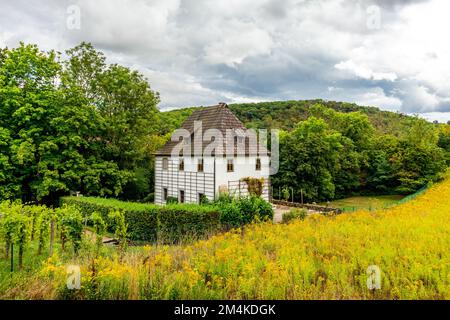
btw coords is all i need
(307, 206)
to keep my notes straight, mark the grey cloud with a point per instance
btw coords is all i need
(201, 52)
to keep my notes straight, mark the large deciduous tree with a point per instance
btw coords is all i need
(78, 125)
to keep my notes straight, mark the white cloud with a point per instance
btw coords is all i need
(242, 41)
(364, 72)
(201, 52)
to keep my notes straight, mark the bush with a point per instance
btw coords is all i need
(178, 221)
(72, 225)
(230, 215)
(150, 222)
(141, 218)
(171, 200)
(175, 222)
(294, 214)
(244, 210)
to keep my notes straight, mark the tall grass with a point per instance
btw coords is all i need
(315, 258)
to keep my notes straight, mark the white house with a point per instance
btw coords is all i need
(196, 163)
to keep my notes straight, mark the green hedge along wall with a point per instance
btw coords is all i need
(149, 222)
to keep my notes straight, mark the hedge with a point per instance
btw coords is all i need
(150, 222)
(174, 222)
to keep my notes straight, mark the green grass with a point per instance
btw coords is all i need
(365, 202)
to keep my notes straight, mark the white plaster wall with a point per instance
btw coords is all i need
(193, 183)
(243, 167)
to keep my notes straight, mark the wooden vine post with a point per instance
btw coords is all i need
(12, 257)
(52, 236)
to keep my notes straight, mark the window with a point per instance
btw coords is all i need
(200, 165)
(165, 194)
(181, 165)
(165, 163)
(258, 164)
(181, 196)
(230, 166)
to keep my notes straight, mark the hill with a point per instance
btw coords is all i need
(286, 114)
(331, 150)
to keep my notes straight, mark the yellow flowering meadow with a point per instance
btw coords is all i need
(321, 257)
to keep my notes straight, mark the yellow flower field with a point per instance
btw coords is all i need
(318, 258)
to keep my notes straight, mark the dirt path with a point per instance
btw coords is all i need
(93, 236)
(279, 210)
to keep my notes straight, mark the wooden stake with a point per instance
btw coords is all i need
(52, 236)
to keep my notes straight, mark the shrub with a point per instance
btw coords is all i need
(174, 222)
(43, 222)
(294, 214)
(244, 210)
(230, 215)
(191, 221)
(171, 200)
(100, 228)
(15, 227)
(255, 185)
(120, 228)
(72, 224)
(141, 218)
(148, 222)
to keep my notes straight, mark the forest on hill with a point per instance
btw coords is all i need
(77, 123)
(331, 149)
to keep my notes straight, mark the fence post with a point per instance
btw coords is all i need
(301, 194)
(292, 192)
(52, 235)
(12, 257)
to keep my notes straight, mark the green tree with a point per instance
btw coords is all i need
(124, 99)
(52, 136)
(309, 156)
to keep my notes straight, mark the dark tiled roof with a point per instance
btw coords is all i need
(217, 117)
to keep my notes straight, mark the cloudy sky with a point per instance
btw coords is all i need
(391, 54)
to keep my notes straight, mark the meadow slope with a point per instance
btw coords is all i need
(318, 258)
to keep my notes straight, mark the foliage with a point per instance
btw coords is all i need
(171, 200)
(141, 218)
(240, 211)
(358, 150)
(255, 186)
(58, 132)
(187, 222)
(309, 157)
(315, 258)
(176, 222)
(293, 214)
(43, 227)
(15, 228)
(72, 225)
(120, 228)
(100, 228)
